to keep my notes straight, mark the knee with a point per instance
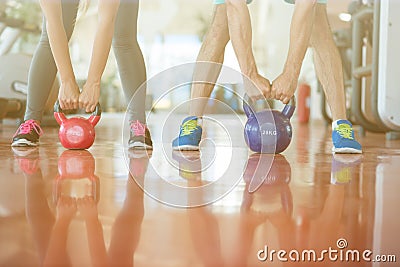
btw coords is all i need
(124, 43)
(238, 5)
(321, 29)
(219, 30)
(44, 40)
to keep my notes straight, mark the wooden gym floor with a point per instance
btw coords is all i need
(85, 208)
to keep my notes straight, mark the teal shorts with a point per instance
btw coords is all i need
(319, 1)
(218, 2)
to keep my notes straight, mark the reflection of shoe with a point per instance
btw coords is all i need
(139, 153)
(189, 164)
(189, 135)
(138, 166)
(140, 136)
(342, 168)
(28, 158)
(343, 138)
(27, 134)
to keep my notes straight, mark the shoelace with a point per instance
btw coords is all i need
(28, 126)
(188, 127)
(345, 131)
(138, 128)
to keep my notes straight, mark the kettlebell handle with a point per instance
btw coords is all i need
(288, 110)
(60, 116)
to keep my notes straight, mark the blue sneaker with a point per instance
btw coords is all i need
(343, 138)
(189, 135)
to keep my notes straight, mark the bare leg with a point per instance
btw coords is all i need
(212, 50)
(328, 63)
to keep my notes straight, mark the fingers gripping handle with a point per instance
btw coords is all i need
(289, 108)
(60, 116)
(249, 107)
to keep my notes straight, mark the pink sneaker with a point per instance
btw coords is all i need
(140, 136)
(27, 134)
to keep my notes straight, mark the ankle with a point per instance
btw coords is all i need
(35, 121)
(335, 123)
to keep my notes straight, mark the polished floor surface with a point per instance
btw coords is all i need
(223, 206)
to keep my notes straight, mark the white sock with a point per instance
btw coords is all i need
(200, 121)
(334, 124)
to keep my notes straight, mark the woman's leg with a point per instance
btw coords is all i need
(130, 59)
(43, 69)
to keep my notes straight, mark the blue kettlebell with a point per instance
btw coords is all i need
(268, 131)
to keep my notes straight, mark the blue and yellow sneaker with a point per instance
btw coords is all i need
(343, 138)
(189, 136)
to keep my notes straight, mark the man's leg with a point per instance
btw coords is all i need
(212, 51)
(328, 66)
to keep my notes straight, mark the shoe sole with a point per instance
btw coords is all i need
(23, 151)
(346, 150)
(186, 148)
(23, 143)
(139, 146)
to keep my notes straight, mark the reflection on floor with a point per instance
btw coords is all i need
(223, 206)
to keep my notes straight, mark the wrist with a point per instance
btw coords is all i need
(251, 73)
(93, 82)
(68, 79)
(293, 73)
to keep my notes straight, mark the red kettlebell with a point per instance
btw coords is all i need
(76, 132)
(268, 131)
(76, 176)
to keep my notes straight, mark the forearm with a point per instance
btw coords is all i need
(300, 33)
(103, 39)
(241, 35)
(58, 38)
(57, 243)
(97, 246)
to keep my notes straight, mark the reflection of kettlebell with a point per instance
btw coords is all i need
(268, 131)
(76, 132)
(76, 176)
(273, 177)
(277, 173)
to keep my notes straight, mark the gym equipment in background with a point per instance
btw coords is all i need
(225, 94)
(303, 103)
(14, 68)
(76, 132)
(268, 131)
(369, 52)
(387, 58)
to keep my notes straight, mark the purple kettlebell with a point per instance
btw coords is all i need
(268, 131)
